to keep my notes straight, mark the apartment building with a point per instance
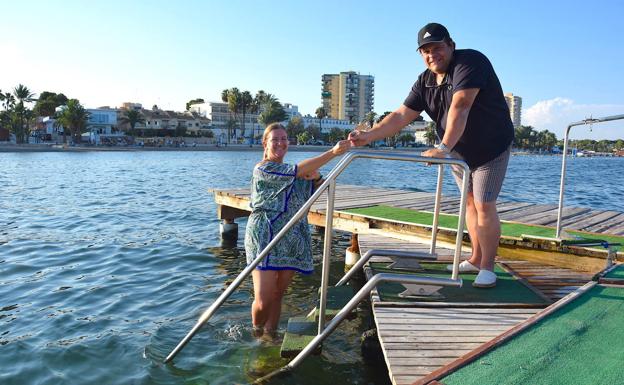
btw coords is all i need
(515, 108)
(348, 95)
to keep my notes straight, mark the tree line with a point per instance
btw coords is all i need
(17, 117)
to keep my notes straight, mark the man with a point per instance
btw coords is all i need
(460, 91)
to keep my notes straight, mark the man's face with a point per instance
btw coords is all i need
(437, 56)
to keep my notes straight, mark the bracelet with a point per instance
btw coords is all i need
(442, 147)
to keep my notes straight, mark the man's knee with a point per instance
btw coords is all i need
(486, 210)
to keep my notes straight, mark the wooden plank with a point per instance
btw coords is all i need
(607, 224)
(416, 341)
(594, 218)
(520, 214)
(472, 356)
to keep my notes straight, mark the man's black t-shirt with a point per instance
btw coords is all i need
(489, 130)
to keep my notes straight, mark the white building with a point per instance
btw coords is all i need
(220, 116)
(326, 124)
(102, 123)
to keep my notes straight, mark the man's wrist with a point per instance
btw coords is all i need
(443, 147)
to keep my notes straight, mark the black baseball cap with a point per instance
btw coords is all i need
(432, 33)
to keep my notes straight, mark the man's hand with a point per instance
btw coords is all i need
(341, 147)
(435, 153)
(359, 138)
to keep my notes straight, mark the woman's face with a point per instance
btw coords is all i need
(276, 145)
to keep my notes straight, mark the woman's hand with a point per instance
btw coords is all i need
(341, 147)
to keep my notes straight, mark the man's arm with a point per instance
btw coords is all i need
(456, 120)
(391, 124)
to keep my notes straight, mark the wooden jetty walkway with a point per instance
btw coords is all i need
(417, 337)
(349, 196)
(417, 340)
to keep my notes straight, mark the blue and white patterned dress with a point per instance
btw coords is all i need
(276, 195)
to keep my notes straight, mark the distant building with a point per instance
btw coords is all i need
(515, 108)
(219, 114)
(102, 123)
(327, 124)
(291, 110)
(348, 95)
(418, 128)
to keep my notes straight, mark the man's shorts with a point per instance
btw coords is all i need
(485, 181)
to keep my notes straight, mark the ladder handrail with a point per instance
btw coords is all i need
(352, 304)
(330, 181)
(563, 162)
(378, 252)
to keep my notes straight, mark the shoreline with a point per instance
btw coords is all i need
(232, 147)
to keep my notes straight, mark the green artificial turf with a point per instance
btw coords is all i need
(582, 343)
(450, 221)
(507, 290)
(617, 273)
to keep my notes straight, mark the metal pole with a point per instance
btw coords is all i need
(563, 163)
(436, 209)
(420, 255)
(327, 243)
(361, 294)
(562, 182)
(337, 170)
(461, 222)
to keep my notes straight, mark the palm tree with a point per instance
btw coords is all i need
(430, 135)
(320, 114)
(133, 117)
(232, 97)
(8, 100)
(74, 117)
(23, 94)
(20, 124)
(272, 112)
(245, 104)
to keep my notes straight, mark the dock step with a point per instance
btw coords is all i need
(337, 298)
(300, 332)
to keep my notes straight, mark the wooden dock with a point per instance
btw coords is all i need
(234, 203)
(417, 338)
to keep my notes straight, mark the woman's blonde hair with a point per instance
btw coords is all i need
(265, 135)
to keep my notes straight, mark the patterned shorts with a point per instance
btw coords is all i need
(485, 181)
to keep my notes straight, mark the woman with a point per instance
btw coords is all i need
(278, 191)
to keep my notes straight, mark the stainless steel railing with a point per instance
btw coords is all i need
(330, 186)
(357, 298)
(563, 162)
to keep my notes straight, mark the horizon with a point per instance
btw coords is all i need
(108, 53)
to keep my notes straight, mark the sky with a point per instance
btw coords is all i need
(564, 58)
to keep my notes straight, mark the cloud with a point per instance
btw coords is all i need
(556, 114)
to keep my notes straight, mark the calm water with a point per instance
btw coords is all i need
(107, 260)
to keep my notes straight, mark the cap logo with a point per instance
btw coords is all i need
(426, 35)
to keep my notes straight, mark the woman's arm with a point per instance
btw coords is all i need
(310, 165)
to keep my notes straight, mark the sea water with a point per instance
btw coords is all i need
(107, 259)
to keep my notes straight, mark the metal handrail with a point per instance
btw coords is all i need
(563, 162)
(352, 304)
(379, 252)
(330, 184)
